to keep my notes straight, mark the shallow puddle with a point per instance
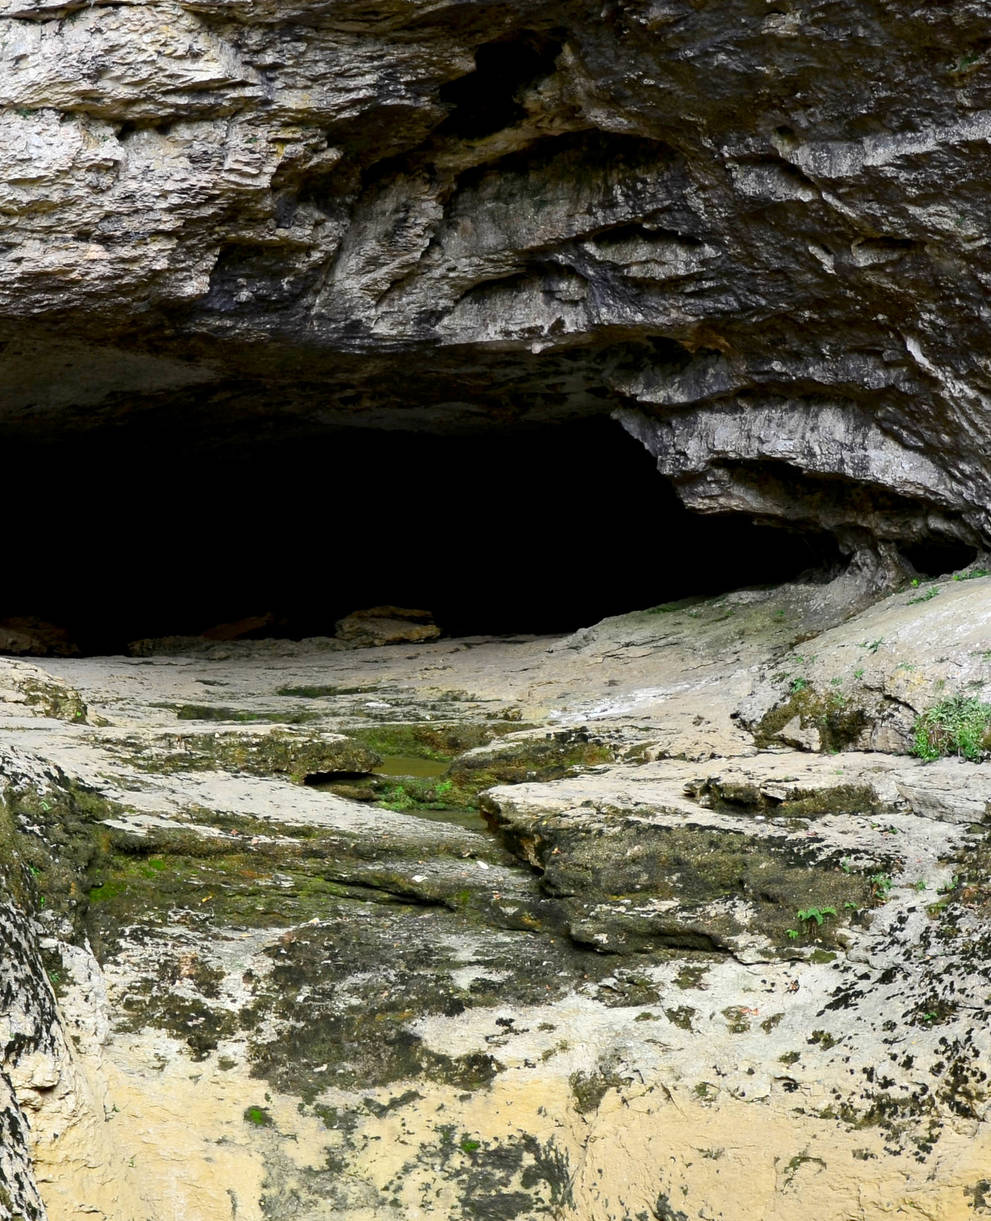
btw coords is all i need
(411, 765)
(470, 819)
(415, 767)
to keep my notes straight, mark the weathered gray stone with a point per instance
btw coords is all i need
(445, 216)
(318, 1003)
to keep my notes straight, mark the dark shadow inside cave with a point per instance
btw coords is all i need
(535, 530)
(934, 556)
(485, 100)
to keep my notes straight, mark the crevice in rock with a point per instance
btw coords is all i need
(487, 99)
(132, 127)
(936, 554)
(577, 150)
(856, 511)
(255, 273)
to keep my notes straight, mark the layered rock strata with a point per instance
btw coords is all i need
(593, 926)
(750, 231)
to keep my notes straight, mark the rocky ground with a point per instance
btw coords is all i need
(657, 921)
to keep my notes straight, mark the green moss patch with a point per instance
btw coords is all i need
(714, 885)
(56, 700)
(839, 720)
(430, 740)
(294, 754)
(238, 716)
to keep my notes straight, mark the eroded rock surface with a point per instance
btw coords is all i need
(750, 232)
(560, 935)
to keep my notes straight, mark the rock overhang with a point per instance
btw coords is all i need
(276, 221)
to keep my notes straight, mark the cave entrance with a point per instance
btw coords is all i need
(537, 530)
(936, 555)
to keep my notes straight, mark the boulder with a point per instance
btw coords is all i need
(378, 625)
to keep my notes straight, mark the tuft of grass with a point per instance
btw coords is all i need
(956, 726)
(881, 884)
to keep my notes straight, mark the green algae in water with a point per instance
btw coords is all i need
(395, 767)
(403, 801)
(400, 802)
(412, 765)
(472, 820)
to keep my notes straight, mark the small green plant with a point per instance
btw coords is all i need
(470, 1146)
(930, 593)
(920, 885)
(258, 1116)
(971, 574)
(881, 885)
(859, 672)
(956, 726)
(965, 62)
(872, 646)
(811, 918)
(398, 799)
(799, 684)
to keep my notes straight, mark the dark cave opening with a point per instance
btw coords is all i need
(936, 555)
(485, 101)
(536, 530)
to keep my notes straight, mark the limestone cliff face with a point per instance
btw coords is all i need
(755, 230)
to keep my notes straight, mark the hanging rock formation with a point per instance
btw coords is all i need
(756, 231)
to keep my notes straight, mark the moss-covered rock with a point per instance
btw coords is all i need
(808, 718)
(532, 755)
(294, 754)
(641, 883)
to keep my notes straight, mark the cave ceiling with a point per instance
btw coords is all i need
(754, 233)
